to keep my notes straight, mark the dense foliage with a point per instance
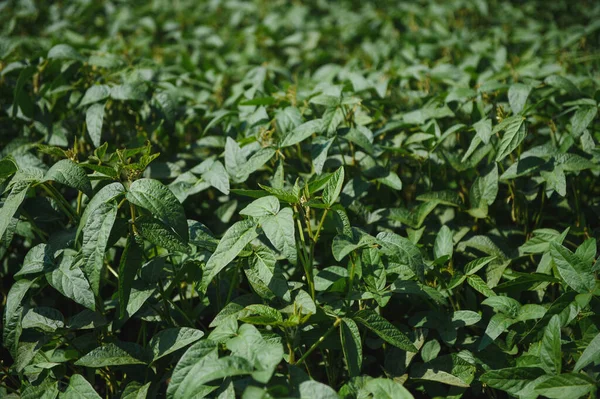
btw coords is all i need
(269, 199)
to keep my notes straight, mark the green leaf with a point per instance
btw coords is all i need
(591, 354)
(485, 189)
(384, 329)
(12, 203)
(217, 177)
(94, 94)
(560, 82)
(443, 245)
(13, 313)
(351, 346)
(562, 386)
(480, 286)
(113, 355)
(125, 92)
(43, 318)
(333, 188)
(95, 239)
(160, 234)
(135, 390)
(153, 196)
(582, 119)
(70, 174)
(7, 167)
(233, 242)
(302, 132)
(280, 231)
(385, 388)
(130, 263)
(106, 194)
(183, 378)
(511, 380)
(514, 133)
(517, 96)
(42, 391)
(172, 339)
(79, 388)
(265, 353)
(209, 369)
(572, 269)
(94, 118)
(402, 251)
(264, 206)
(64, 52)
(70, 281)
(550, 353)
(261, 315)
(315, 390)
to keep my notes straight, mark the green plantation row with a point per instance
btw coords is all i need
(313, 200)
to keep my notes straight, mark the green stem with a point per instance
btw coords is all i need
(62, 202)
(319, 341)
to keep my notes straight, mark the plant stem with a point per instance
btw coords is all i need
(319, 341)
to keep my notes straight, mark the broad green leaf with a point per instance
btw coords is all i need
(79, 388)
(128, 91)
(315, 390)
(514, 133)
(94, 118)
(94, 94)
(351, 346)
(7, 167)
(497, 325)
(265, 276)
(153, 196)
(12, 203)
(440, 376)
(550, 352)
(264, 206)
(475, 265)
(43, 318)
(113, 355)
(280, 231)
(264, 353)
(513, 379)
(233, 242)
(135, 390)
(591, 354)
(159, 234)
(572, 269)
(572, 385)
(302, 132)
(517, 96)
(402, 251)
(95, 238)
(217, 177)
(13, 313)
(183, 380)
(384, 329)
(70, 281)
(485, 189)
(43, 391)
(64, 52)
(385, 388)
(106, 194)
(172, 339)
(209, 369)
(560, 82)
(131, 261)
(333, 188)
(70, 174)
(261, 315)
(582, 119)
(443, 245)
